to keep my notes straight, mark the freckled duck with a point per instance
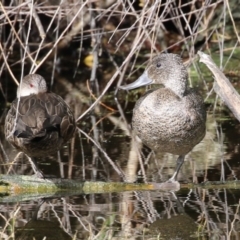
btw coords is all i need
(39, 122)
(170, 119)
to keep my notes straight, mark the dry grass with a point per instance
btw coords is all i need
(34, 35)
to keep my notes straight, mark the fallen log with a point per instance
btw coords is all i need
(222, 86)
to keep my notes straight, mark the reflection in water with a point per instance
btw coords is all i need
(40, 229)
(193, 214)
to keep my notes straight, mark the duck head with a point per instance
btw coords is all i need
(31, 84)
(166, 69)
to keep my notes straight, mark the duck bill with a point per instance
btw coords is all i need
(143, 80)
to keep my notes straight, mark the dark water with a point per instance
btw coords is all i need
(187, 214)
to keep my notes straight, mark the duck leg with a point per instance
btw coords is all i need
(180, 162)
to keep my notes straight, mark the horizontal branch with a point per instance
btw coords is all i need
(21, 188)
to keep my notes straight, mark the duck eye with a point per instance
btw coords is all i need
(159, 64)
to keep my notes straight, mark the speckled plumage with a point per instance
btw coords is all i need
(44, 122)
(170, 119)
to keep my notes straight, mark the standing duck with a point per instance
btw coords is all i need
(38, 122)
(170, 119)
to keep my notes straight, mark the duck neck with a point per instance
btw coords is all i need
(178, 82)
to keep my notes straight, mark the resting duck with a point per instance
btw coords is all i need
(39, 122)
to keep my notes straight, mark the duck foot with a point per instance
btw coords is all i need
(168, 186)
